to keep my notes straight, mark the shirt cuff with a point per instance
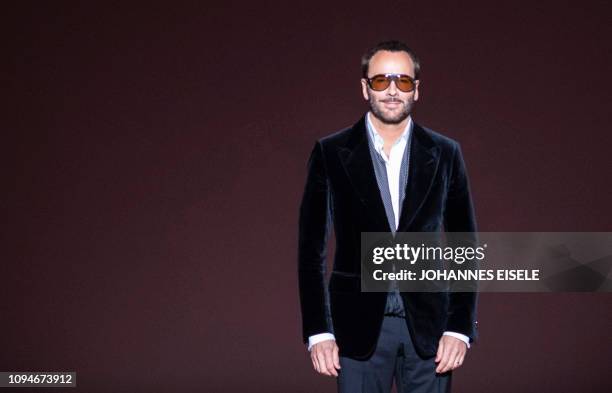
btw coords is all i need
(317, 338)
(460, 336)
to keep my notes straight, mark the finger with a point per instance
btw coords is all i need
(442, 365)
(460, 360)
(443, 358)
(453, 360)
(456, 364)
(461, 352)
(336, 357)
(447, 358)
(322, 363)
(440, 351)
(329, 362)
(455, 357)
(315, 361)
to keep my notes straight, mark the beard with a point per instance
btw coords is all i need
(378, 110)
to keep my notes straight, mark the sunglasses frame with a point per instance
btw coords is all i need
(394, 78)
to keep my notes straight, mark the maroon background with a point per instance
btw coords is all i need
(155, 157)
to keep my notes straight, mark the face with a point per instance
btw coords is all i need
(392, 105)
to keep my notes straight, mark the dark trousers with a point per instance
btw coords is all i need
(394, 358)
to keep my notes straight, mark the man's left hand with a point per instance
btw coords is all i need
(451, 353)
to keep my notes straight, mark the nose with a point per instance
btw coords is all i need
(392, 89)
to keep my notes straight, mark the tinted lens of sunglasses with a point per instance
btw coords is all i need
(404, 83)
(380, 82)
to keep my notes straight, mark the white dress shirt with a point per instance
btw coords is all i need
(393, 163)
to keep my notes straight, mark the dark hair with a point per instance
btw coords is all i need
(391, 46)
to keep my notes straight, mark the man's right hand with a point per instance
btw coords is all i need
(324, 356)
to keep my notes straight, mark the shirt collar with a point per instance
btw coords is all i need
(378, 140)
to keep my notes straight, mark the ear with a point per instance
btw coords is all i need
(416, 90)
(364, 89)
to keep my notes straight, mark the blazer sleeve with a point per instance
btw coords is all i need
(314, 230)
(459, 217)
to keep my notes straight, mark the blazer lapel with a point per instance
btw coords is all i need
(424, 160)
(357, 162)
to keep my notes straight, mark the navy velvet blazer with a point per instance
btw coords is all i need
(341, 188)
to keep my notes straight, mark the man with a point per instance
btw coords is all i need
(384, 174)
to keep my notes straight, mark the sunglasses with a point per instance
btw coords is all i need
(381, 82)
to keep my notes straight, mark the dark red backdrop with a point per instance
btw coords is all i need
(155, 156)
